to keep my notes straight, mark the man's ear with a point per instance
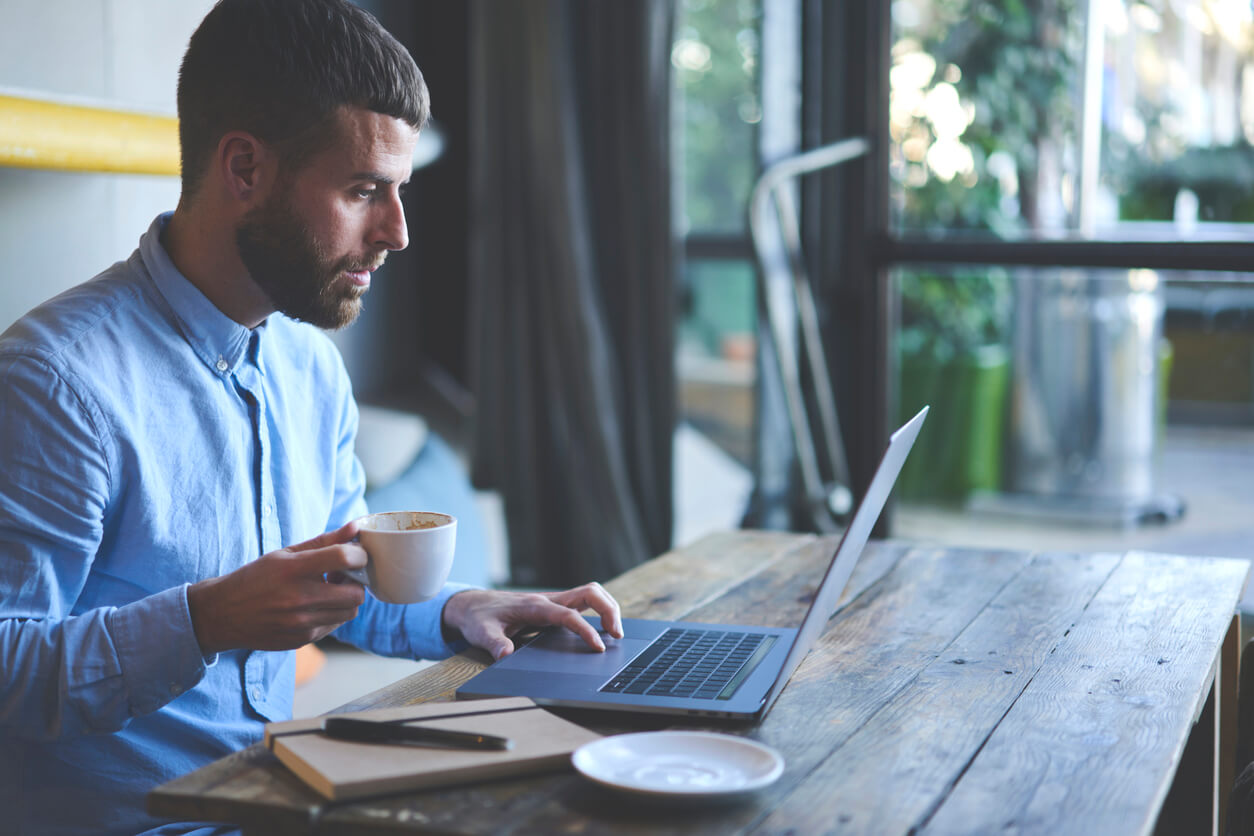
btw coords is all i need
(247, 166)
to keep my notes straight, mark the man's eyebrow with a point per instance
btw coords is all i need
(376, 177)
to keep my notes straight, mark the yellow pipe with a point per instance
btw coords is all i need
(41, 134)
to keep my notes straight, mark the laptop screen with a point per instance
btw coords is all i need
(849, 550)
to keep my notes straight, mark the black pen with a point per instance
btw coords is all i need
(370, 731)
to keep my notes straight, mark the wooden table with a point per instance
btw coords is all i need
(955, 691)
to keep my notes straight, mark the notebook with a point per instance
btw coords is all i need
(340, 770)
(690, 668)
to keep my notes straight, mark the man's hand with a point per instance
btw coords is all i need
(489, 618)
(281, 600)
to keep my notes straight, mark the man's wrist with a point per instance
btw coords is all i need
(449, 629)
(199, 596)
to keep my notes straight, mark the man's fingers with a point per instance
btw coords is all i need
(493, 639)
(500, 648)
(593, 596)
(329, 559)
(343, 534)
(487, 618)
(550, 612)
(578, 625)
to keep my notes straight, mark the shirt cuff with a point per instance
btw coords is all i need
(157, 649)
(424, 625)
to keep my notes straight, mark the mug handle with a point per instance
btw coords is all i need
(358, 575)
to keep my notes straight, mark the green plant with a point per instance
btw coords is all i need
(952, 356)
(946, 316)
(1222, 177)
(1012, 66)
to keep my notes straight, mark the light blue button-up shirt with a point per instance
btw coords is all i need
(147, 442)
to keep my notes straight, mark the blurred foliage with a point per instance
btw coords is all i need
(716, 63)
(944, 317)
(1017, 63)
(1015, 67)
(1221, 177)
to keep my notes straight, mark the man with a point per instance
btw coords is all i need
(166, 423)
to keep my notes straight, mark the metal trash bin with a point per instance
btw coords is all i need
(1084, 429)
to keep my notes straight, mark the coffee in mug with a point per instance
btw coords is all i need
(411, 553)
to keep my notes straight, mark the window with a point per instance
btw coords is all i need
(1106, 119)
(716, 61)
(1068, 182)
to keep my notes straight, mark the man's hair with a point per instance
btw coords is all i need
(281, 70)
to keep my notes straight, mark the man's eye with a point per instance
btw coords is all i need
(365, 194)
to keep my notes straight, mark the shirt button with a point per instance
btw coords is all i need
(267, 509)
(222, 364)
(256, 693)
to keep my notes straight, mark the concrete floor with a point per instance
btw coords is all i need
(1211, 469)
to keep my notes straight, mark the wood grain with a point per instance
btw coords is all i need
(723, 578)
(248, 786)
(670, 586)
(954, 691)
(874, 649)
(253, 786)
(920, 741)
(674, 584)
(1092, 743)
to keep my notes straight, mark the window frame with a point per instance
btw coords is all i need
(852, 42)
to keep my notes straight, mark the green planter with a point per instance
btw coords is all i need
(959, 450)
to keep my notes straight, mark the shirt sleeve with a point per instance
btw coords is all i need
(412, 631)
(68, 673)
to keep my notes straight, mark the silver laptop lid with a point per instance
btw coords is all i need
(848, 551)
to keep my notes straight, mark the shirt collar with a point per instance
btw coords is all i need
(219, 341)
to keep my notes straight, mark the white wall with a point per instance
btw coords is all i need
(58, 229)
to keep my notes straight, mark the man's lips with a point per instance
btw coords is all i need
(360, 276)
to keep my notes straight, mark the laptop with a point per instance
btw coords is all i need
(689, 668)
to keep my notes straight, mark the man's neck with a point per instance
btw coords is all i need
(204, 251)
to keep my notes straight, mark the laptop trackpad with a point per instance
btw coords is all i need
(562, 650)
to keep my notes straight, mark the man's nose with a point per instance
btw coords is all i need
(391, 232)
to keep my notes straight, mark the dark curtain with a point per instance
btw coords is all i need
(572, 269)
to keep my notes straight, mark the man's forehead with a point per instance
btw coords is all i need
(376, 145)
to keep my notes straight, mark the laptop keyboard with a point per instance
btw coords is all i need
(686, 663)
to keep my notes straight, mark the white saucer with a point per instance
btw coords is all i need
(679, 764)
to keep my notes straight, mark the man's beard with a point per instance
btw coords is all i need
(289, 264)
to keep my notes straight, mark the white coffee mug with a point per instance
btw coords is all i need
(411, 553)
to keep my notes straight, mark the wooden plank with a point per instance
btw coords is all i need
(669, 586)
(771, 596)
(920, 742)
(491, 807)
(674, 584)
(434, 683)
(873, 650)
(877, 647)
(1092, 743)
(260, 791)
(780, 593)
(776, 597)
